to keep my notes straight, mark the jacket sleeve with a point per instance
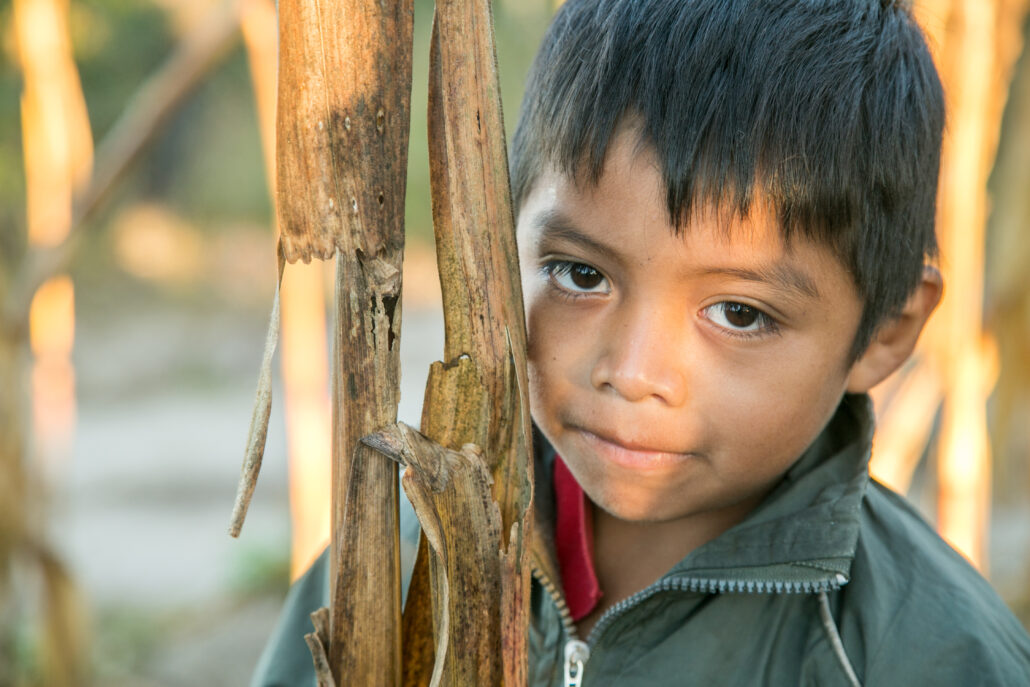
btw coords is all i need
(286, 659)
(985, 650)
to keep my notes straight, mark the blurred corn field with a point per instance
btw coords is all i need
(136, 146)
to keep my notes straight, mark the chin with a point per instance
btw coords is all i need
(631, 507)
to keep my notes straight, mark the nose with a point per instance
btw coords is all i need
(641, 356)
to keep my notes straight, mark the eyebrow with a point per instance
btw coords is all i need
(779, 275)
(557, 226)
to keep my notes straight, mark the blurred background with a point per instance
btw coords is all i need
(137, 272)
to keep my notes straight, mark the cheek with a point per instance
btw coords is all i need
(781, 402)
(558, 355)
(552, 327)
(539, 326)
(544, 338)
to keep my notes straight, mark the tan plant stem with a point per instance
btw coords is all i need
(341, 147)
(468, 591)
(977, 43)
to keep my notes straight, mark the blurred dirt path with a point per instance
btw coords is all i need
(140, 512)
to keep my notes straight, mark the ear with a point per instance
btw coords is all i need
(894, 340)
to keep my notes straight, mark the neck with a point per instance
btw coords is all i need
(653, 547)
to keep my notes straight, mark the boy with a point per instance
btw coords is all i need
(725, 209)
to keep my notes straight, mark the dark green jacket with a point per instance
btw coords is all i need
(833, 580)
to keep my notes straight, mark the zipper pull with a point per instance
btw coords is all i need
(576, 654)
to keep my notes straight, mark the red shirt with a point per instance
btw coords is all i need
(574, 538)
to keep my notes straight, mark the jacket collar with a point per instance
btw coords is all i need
(802, 537)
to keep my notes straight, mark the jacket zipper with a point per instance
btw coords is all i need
(712, 586)
(577, 652)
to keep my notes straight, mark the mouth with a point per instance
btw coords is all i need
(629, 454)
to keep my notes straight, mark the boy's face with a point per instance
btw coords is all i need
(677, 376)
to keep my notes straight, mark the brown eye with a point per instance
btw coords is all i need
(585, 276)
(576, 278)
(740, 315)
(740, 320)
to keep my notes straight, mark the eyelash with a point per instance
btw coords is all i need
(768, 324)
(554, 269)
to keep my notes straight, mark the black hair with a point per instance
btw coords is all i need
(831, 110)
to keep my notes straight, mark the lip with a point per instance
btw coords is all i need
(630, 455)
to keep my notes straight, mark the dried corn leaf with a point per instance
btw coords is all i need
(451, 493)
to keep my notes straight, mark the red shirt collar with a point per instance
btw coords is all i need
(574, 538)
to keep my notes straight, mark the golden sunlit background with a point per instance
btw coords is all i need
(137, 271)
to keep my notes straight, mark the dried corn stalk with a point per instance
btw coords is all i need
(977, 42)
(344, 79)
(1008, 298)
(57, 154)
(342, 138)
(471, 487)
(58, 148)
